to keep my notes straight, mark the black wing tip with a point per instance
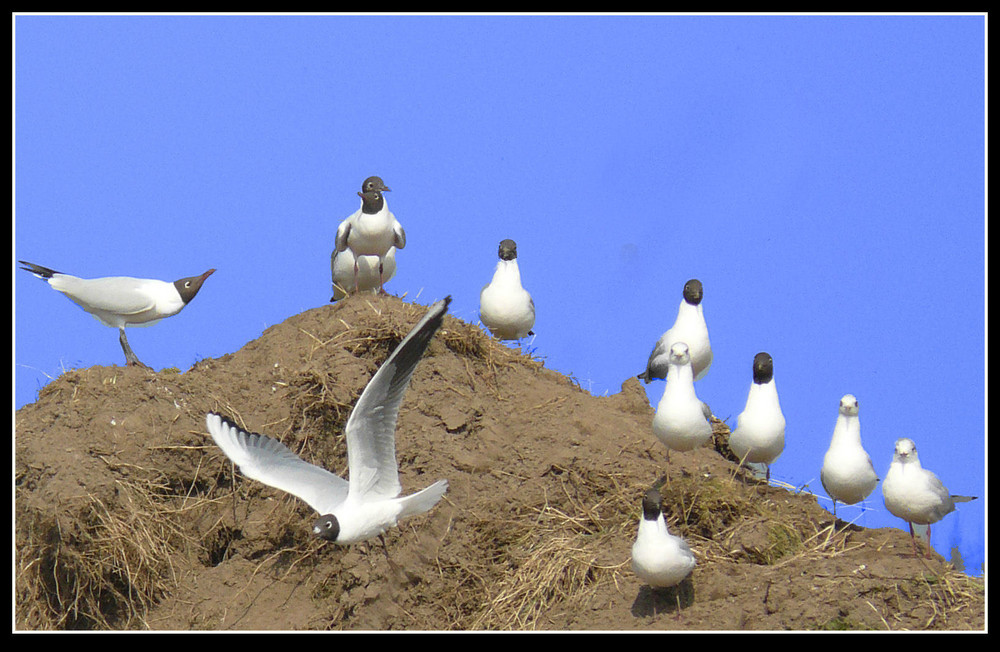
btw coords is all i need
(38, 270)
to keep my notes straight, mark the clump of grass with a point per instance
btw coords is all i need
(102, 569)
(550, 554)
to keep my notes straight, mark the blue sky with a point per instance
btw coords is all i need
(824, 176)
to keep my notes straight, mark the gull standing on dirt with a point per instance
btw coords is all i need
(690, 328)
(847, 474)
(505, 307)
(759, 437)
(681, 420)
(342, 271)
(368, 503)
(915, 494)
(659, 558)
(120, 301)
(371, 231)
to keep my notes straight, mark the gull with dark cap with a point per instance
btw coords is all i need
(759, 437)
(120, 301)
(681, 421)
(690, 328)
(659, 559)
(505, 307)
(371, 231)
(368, 503)
(847, 475)
(915, 494)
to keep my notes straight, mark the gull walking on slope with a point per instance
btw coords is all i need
(120, 301)
(847, 474)
(681, 422)
(915, 494)
(367, 504)
(505, 307)
(371, 231)
(759, 437)
(690, 328)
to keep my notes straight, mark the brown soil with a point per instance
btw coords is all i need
(129, 517)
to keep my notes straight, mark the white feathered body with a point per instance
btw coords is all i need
(505, 307)
(847, 475)
(119, 301)
(659, 558)
(759, 436)
(680, 421)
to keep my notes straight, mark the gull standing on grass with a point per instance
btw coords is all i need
(371, 231)
(681, 422)
(915, 494)
(847, 474)
(759, 437)
(505, 307)
(690, 328)
(367, 504)
(120, 301)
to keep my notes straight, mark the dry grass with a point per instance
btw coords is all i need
(101, 570)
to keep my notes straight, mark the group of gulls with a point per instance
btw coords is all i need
(368, 503)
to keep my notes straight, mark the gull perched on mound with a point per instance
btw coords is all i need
(342, 266)
(915, 494)
(371, 231)
(690, 328)
(681, 419)
(847, 474)
(759, 437)
(368, 503)
(505, 307)
(120, 301)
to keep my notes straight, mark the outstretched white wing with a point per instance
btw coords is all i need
(371, 428)
(271, 462)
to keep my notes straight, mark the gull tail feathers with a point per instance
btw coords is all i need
(424, 499)
(963, 499)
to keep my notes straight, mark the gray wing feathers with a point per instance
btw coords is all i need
(399, 235)
(371, 428)
(120, 295)
(343, 231)
(659, 360)
(269, 461)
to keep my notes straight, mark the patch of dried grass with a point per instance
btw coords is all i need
(102, 569)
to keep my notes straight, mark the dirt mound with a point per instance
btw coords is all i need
(129, 517)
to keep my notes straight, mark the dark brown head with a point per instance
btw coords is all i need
(652, 504)
(763, 368)
(693, 292)
(508, 250)
(188, 287)
(327, 527)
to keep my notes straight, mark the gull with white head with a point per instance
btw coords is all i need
(847, 475)
(681, 419)
(915, 494)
